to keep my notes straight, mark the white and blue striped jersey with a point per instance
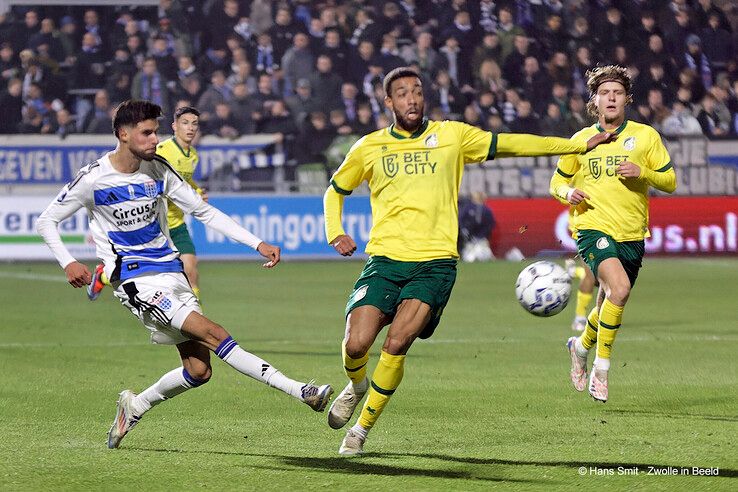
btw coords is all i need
(128, 217)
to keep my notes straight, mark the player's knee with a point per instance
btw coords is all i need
(619, 293)
(398, 344)
(355, 348)
(201, 374)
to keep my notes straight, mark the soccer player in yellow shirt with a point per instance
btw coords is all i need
(611, 214)
(182, 156)
(414, 170)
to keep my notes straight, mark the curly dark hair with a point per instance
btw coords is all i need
(609, 73)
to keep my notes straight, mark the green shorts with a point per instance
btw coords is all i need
(385, 283)
(182, 240)
(595, 246)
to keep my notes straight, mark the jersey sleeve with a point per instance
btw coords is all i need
(476, 145)
(658, 170)
(352, 171)
(657, 156)
(71, 198)
(180, 192)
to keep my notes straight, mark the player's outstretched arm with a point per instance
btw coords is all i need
(524, 145)
(78, 275)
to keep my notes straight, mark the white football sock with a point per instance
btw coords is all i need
(579, 348)
(361, 387)
(602, 364)
(171, 384)
(257, 368)
(360, 430)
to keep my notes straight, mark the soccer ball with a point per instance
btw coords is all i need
(543, 288)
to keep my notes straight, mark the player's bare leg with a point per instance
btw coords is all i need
(616, 284)
(363, 324)
(411, 318)
(216, 338)
(193, 275)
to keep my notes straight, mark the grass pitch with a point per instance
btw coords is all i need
(485, 404)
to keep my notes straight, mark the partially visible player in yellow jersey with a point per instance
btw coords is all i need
(576, 268)
(611, 213)
(414, 171)
(181, 154)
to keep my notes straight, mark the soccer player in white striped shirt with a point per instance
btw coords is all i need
(125, 194)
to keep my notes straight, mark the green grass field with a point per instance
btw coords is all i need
(485, 404)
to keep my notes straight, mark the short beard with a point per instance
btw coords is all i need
(405, 124)
(142, 156)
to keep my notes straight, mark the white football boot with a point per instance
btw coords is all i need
(124, 421)
(344, 405)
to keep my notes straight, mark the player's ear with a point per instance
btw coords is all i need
(174, 124)
(388, 102)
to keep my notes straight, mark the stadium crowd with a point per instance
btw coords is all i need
(311, 70)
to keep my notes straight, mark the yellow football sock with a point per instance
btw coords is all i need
(386, 379)
(196, 291)
(610, 318)
(355, 368)
(583, 299)
(589, 337)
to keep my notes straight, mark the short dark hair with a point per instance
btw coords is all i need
(395, 74)
(186, 110)
(134, 111)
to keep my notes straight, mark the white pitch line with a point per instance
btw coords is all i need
(33, 276)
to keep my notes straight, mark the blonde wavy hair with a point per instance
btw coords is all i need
(609, 73)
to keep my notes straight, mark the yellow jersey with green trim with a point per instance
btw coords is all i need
(184, 163)
(616, 206)
(414, 182)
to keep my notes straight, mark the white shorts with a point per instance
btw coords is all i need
(162, 302)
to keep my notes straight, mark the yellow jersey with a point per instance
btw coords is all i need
(616, 206)
(414, 181)
(184, 163)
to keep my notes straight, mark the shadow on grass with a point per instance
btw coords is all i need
(357, 465)
(672, 415)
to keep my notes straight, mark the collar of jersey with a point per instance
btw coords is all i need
(617, 130)
(416, 134)
(181, 149)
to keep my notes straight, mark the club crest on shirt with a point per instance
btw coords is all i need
(629, 143)
(390, 165)
(602, 243)
(131, 191)
(431, 141)
(150, 189)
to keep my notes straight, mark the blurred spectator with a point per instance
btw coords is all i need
(64, 123)
(242, 107)
(11, 103)
(717, 41)
(560, 70)
(452, 60)
(515, 61)
(165, 61)
(526, 121)
(121, 63)
(681, 123)
(476, 223)
(534, 84)
(447, 96)
(364, 122)
(48, 35)
(22, 35)
(489, 77)
(358, 65)
(92, 26)
(263, 98)
(263, 56)
(298, 61)
(261, 15)
(119, 87)
(225, 18)
(462, 30)
(389, 54)
(301, 103)
(90, 68)
(280, 121)
(283, 31)
(366, 29)
(217, 93)
(338, 121)
(696, 60)
(222, 123)
(98, 120)
(703, 9)
(325, 83)
(149, 84)
(553, 38)
(553, 123)
(315, 137)
(213, 59)
(9, 63)
(421, 52)
(507, 31)
(578, 116)
(714, 118)
(509, 106)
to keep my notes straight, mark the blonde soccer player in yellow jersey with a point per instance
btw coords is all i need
(611, 214)
(414, 170)
(182, 156)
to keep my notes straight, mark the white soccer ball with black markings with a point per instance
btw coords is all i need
(543, 288)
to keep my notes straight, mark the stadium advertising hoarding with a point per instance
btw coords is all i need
(29, 160)
(679, 225)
